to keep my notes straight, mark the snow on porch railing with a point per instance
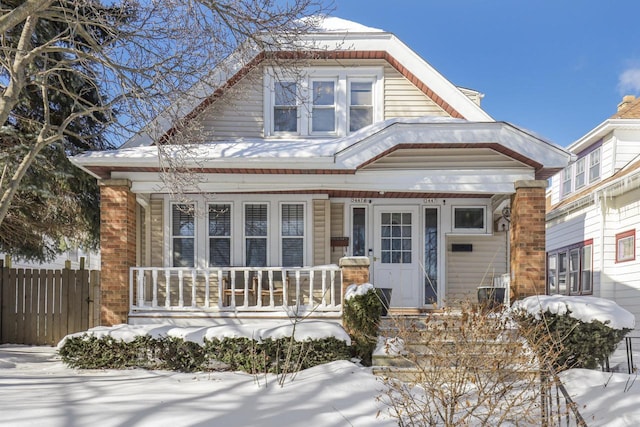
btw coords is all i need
(291, 290)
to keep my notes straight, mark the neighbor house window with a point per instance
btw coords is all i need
(360, 104)
(220, 235)
(570, 269)
(626, 246)
(594, 165)
(285, 107)
(256, 234)
(470, 219)
(566, 180)
(323, 106)
(182, 235)
(580, 181)
(292, 229)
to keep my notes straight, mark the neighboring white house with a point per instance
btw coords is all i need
(594, 213)
(365, 151)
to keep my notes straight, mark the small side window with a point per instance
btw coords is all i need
(469, 219)
(626, 246)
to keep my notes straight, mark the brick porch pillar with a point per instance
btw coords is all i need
(354, 270)
(117, 248)
(528, 258)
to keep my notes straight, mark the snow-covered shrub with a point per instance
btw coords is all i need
(361, 317)
(583, 331)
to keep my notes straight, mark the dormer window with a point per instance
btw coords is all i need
(322, 101)
(285, 108)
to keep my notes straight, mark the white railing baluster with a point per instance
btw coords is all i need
(206, 289)
(323, 302)
(285, 288)
(258, 287)
(167, 286)
(131, 287)
(140, 288)
(333, 288)
(220, 289)
(233, 290)
(245, 302)
(193, 288)
(180, 288)
(297, 288)
(311, 279)
(272, 302)
(154, 280)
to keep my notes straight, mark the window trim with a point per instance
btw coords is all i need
(475, 230)
(599, 163)
(172, 236)
(312, 106)
(303, 238)
(567, 251)
(267, 237)
(210, 237)
(272, 106)
(305, 77)
(349, 105)
(621, 237)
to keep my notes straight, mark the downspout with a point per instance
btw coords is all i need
(603, 208)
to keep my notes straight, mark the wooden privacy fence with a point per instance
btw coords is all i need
(40, 307)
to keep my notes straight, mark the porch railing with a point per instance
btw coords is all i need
(289, 290)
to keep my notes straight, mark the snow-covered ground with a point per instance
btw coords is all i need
(36, 389)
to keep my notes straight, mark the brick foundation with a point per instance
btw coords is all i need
(528, 257)
(117, 247)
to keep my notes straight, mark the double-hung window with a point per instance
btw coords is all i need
(183, 235)
(567, 180)
(285, 107)
(626, 246)
(219, 235)
(594, 165)
(570, 269)
(360, 104)
(256, 234)
(323, 106)
(292, 229)
(580, 174)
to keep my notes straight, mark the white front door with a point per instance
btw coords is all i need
(396, 261)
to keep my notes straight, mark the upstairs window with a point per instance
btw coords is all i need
(323, 106)
(319, 101)
(360, 104)
(567, 180)
(594, 165)
(580, 181)
(285, 108)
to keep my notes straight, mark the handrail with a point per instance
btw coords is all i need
(572, 407)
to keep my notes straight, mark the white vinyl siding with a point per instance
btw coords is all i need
(337, 228)
(321, 235)
(468, 270)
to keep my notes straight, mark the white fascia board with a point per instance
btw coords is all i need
(409, 59)
(604, 128)
(453, 181)
(461, 132)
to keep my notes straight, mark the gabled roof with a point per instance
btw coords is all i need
(334, 38)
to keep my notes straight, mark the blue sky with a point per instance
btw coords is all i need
(556, 67)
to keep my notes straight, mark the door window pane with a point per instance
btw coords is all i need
(395, 238)
(358, 230)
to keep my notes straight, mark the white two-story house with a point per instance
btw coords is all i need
(594, 212)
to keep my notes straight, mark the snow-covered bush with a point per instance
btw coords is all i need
(583, 331)
(361, 317)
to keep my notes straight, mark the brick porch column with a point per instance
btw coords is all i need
(354, 270)
(528, 257)
(117, 248)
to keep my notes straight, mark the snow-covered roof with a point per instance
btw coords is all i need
(333, 24)
(345, 153)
